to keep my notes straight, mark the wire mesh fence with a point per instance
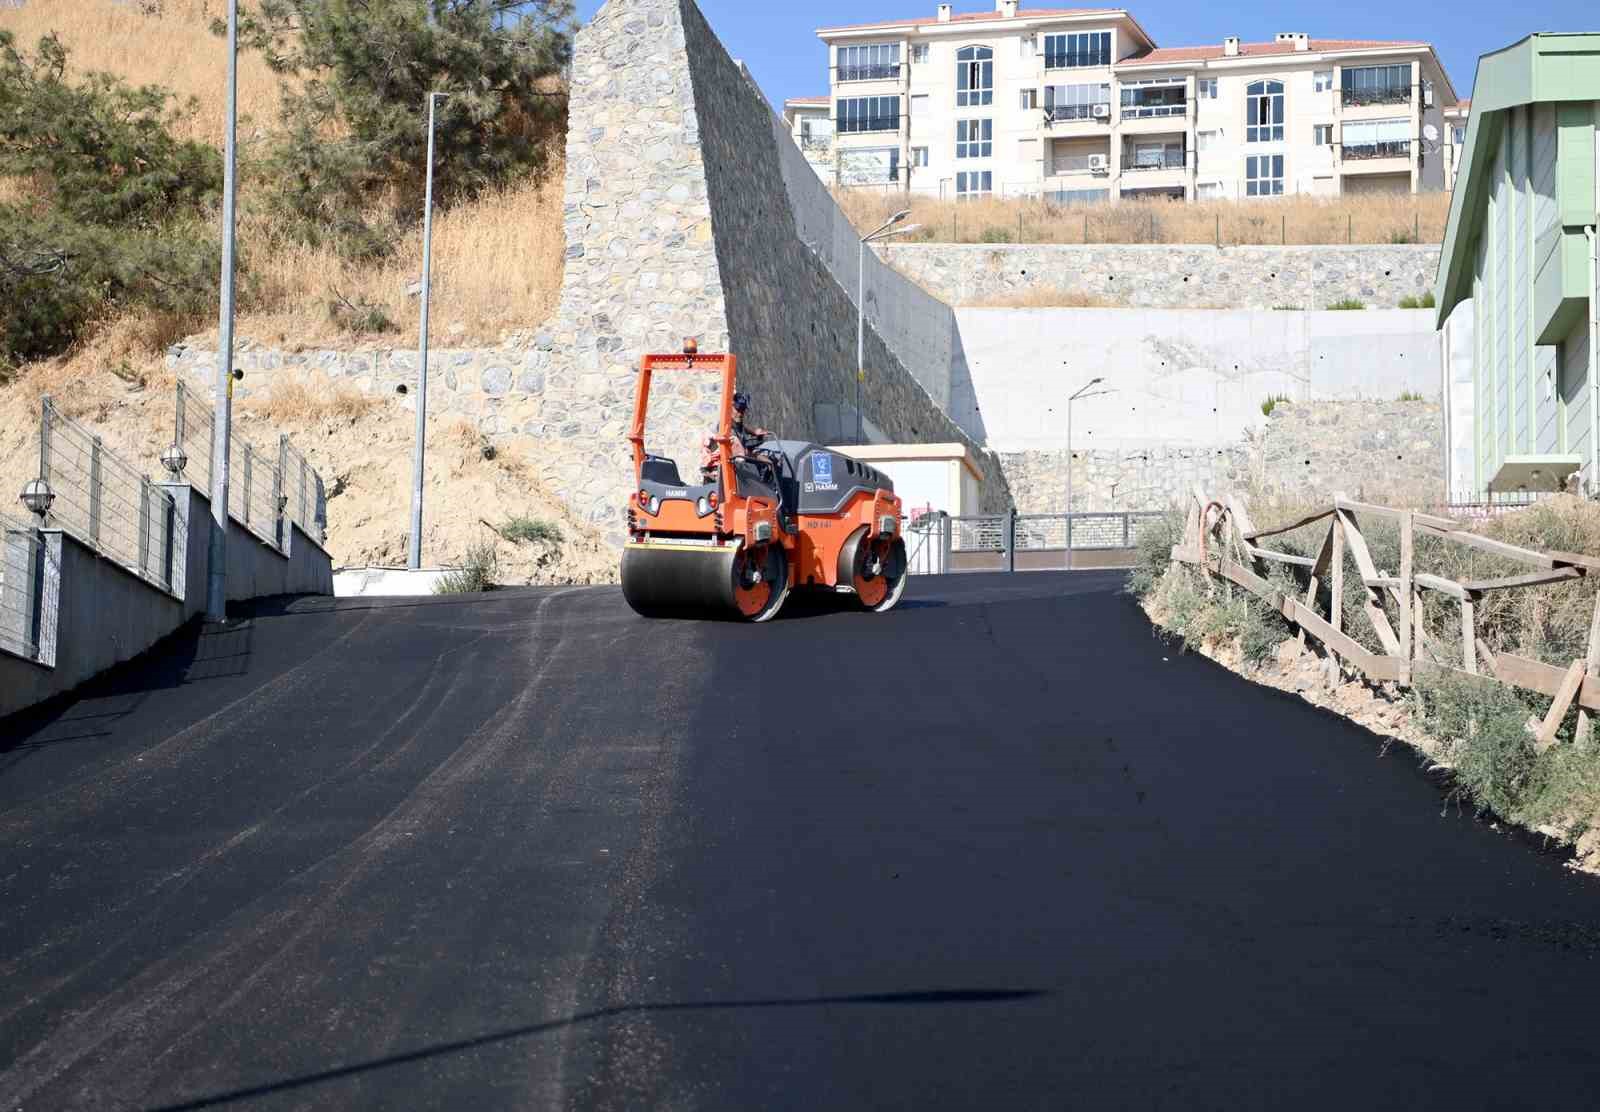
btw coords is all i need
(26, 621)
(266, 489)
(104, 501)
(988, 533)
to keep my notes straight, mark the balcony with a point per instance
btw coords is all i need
(865, 124)
(1152, 101)
(1144, 162)
(873, 71)
(820, 144)
(1361, 98)
(1384, 148)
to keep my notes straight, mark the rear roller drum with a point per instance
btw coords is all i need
(877, 570)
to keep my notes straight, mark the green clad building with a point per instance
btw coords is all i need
(1520, 247)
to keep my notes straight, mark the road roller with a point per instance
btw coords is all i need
(762, 520)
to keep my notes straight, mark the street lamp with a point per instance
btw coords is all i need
(38, 497)
(881, 232)
(222, 424)
(414, 560)
(1082, 392)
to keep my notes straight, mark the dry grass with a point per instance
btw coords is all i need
(295, 401)
(1048, 297)
(1369, 219)
(173, 46)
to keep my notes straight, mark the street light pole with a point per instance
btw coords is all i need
(217, 549)
(414, 557)
(881, 232)
(1082, 392)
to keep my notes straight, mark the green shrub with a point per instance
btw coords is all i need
(1289, 308)
(1412, 301)
(1410, 396)
(995, 234)
(1483, 726)
(521, 530)
(1272, 403)
(1402, 235)
(1347, 303)
(1153, 552)
(478, 571)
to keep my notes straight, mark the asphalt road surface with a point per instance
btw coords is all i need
(1000, 848)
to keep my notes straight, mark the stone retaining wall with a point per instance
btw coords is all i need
(1172, 276)
(1381, 451)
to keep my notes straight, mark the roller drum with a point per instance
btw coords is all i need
(694, 581)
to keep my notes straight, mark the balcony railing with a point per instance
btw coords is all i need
(1168, 160)
(866, 123)
(872, 71)
(1384, 148)
(816, 142)
(1393, 94)
(1057, 113)
(1144, 111)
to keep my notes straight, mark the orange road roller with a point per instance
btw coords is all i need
(767, 516)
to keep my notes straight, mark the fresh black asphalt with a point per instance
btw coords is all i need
(1000, 848)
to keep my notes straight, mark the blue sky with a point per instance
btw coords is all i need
(779, 44)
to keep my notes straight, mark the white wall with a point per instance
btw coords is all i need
(1180, 377)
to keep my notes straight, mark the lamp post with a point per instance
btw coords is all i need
(881, 232)
(1082, 392)
(217, 549)
(414, 560)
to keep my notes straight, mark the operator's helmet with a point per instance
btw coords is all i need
(741, 402)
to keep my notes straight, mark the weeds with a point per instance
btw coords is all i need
(530, 530)
(478, 571)
(1272, 402)
(1410, 396)
(1153, 552)
(1348, 303)
(1412, 301)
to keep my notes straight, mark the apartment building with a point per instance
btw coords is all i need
(1082, 105)
(810, 123)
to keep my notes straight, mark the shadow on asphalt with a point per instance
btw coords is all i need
(196, 652)
(897, 999)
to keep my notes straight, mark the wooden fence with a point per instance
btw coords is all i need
(1219, 537)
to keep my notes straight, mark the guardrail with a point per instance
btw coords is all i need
(1220, 539)
(940, 543)
(105, 502)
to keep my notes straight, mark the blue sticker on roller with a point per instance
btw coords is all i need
(822, 467)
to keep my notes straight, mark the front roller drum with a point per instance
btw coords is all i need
(663, 580)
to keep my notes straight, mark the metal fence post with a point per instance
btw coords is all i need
(94, 492)
(172, 544)
(1127, 522)
(144, 524)
(1011, 539)
(247, 461)
(946, 530)
(36, 619)
(278, 501)
(177, 424)
(44, 437)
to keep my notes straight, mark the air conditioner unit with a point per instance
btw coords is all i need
(1097, 164)
(1101, 111)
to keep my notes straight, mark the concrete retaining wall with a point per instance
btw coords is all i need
(1173, 276)
(105, 614)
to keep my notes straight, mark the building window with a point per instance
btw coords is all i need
(872, 62)
(1163, 97)
(1077, 102)
(1078, 196)
(1030, 99)
(972, 183)
(1458, 135)
(1321, 81)
(974, 138)
(868, 114)
(1206, 140)
(919, 52)
(1093, 48)
(1154, 154)
(1389, 138)
(919, 156)
(1263, 112)
(1375, 84)
(1322, 135)
(1207, 87)
(870, 166)
(1263, 175)
(974, 76)
(1208, 190)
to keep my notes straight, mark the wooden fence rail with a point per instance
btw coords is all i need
(1219, 538)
